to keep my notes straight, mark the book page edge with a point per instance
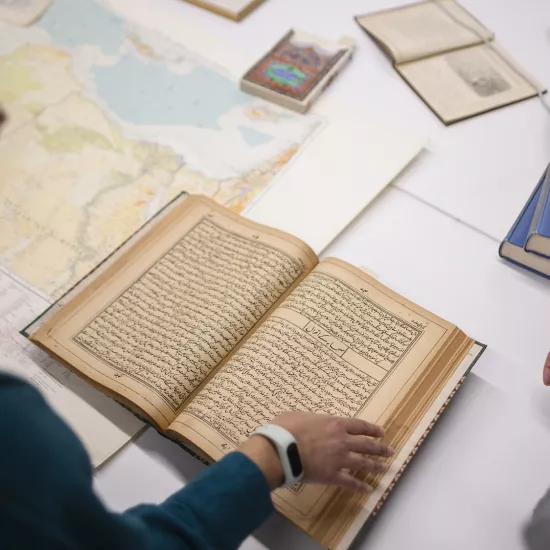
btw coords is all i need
(398, 466)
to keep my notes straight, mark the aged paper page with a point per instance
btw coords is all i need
(423, 29)
(340, 343)
(102, 425)
(355, 521)
(467, 82)
(154, 325)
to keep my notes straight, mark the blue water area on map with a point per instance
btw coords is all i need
(73, 23)
(138, 91)
(143, 93)
(254, 137)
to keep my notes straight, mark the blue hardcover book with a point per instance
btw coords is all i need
(538, 239)
(512, 247)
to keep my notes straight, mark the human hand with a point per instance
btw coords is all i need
(330, 447)
(546, 371)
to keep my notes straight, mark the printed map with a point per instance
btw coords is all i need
(107, 123)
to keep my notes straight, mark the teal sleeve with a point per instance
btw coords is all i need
(47, 500)
(219, 509)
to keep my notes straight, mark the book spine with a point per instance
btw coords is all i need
(543, 207)
(521, 214)
(526, 267)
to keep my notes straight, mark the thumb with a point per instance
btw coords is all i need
(546, 371)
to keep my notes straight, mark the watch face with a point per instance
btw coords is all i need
(294, 459)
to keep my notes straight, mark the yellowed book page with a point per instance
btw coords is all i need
(341, 343)
(400, 461)
(155, 324)
(423, 29)
(468, 82)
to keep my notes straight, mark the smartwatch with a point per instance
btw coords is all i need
(287, 449)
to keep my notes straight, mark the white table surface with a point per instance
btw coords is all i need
(482, 470)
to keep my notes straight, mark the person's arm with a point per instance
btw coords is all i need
(47, 500)
(218, 509)
(232, 498)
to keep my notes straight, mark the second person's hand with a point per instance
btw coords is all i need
(546, 371)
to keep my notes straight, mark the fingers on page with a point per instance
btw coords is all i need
(359, 462)
(367, 446)
(348, 481)
(355, 426)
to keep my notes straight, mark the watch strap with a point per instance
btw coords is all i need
(287, 449)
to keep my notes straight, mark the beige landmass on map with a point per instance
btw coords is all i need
(31, 79)
(73, 187)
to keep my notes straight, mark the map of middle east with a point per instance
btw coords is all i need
(107, 123)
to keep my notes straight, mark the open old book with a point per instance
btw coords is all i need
(449, 58)
(209, 325)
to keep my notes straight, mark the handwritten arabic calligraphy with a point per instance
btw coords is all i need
(353, 319)
(333, 343)
(325, 349)
(172, 327)
(279, 368)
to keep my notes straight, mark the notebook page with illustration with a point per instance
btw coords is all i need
(158, 321)
(449, 58)
(340, 343)
(420, 30)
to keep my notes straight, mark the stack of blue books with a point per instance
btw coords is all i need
(528, 242)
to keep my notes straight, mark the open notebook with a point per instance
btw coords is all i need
(449, 58)
(208, 325)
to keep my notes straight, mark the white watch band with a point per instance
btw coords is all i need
(282, 440)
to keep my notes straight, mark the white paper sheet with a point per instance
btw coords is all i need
(340, 172)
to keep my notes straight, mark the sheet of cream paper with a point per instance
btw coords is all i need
(313, 200)
(22, 12)
(317, 200)
(102, 425)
